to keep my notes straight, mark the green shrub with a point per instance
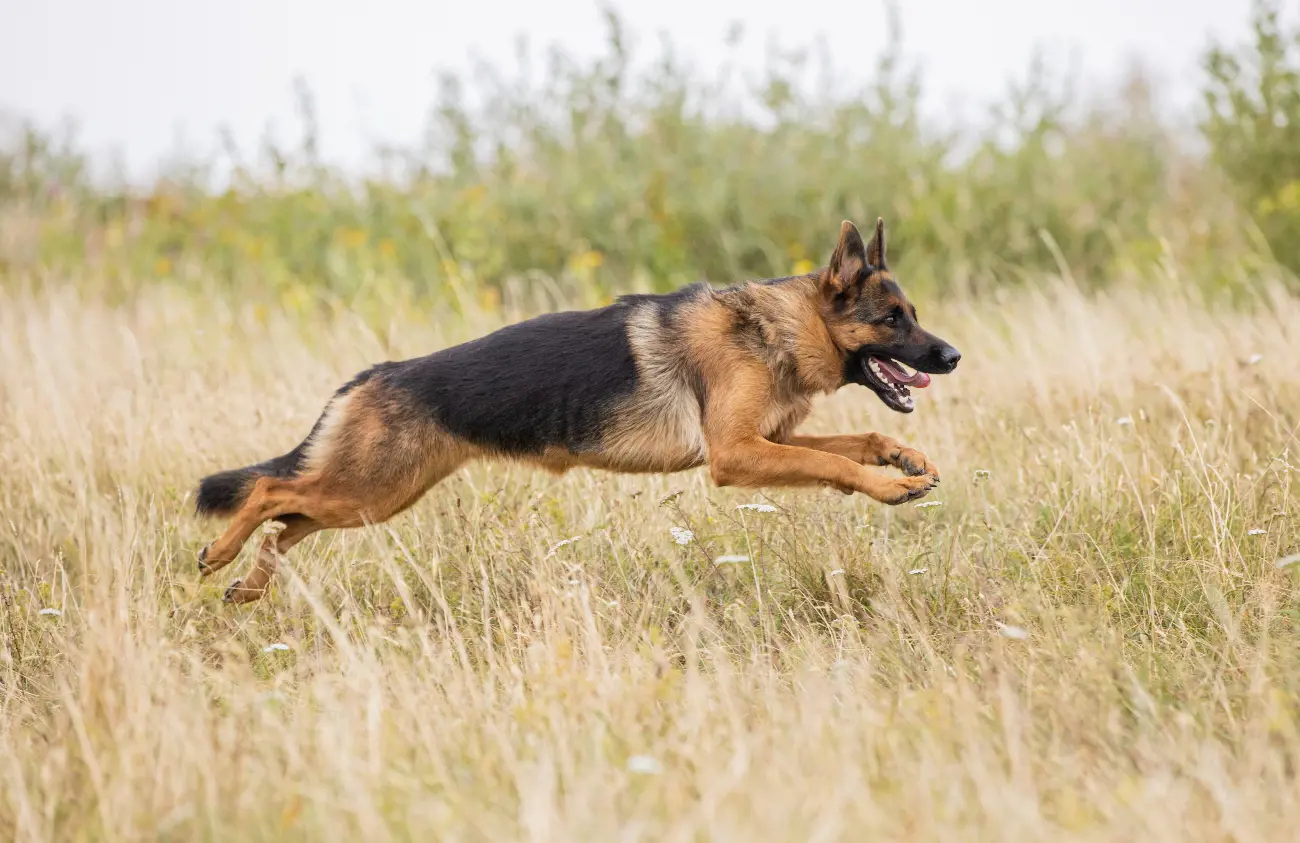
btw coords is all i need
(1253, 126)
(634, 172)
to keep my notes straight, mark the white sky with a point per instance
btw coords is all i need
(134, 72)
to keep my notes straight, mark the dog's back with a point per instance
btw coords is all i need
(545, 383)
(613, 387)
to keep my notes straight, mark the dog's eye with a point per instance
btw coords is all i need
(891, 321)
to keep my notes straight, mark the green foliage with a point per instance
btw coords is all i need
(637, 172)
(1253, 125)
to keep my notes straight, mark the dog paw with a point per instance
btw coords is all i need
(237, 593)
(914, 463)
(904, 489)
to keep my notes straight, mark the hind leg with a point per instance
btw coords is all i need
(265, 501)
(376, 454)
(328, 500)
(309, 498)
(320, 506)
(255, 583)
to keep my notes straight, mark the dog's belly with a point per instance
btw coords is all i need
(668, 435)
(661, 434)
(783, 417)
(626, 458)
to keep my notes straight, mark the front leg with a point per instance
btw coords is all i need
(757, 463)
(870, 449)
(740, 456)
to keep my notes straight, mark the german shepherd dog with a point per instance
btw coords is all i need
(651, 383)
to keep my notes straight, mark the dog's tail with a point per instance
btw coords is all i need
(224, 493)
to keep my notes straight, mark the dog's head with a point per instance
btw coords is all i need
(875, 326)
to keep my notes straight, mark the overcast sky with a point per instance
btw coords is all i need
(133, 72)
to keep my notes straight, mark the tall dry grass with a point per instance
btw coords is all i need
(1087, 639)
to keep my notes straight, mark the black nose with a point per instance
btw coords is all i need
(949, 357)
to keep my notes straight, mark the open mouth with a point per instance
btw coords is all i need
(891, 381)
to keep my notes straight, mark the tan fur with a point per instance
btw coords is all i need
(847, 332)
(376, 460)
(741, 455)
(331, 423)
(658, 428)
(869, 449)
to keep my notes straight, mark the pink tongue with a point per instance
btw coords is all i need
(920, 380)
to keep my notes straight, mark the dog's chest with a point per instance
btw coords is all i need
(682, 440)
(783, 416)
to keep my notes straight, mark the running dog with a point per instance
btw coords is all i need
(651, 383)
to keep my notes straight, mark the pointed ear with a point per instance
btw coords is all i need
(848, 262)
(876, 248)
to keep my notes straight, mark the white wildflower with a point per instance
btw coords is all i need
(1013, 632)
(730, 559)
(53, 613)
(1124, 421)
(1253, 359)
(1258, 531)
(837, 572)
(916, 571)
(928, 504)
(644, 764)
(276, 647)
(757, 507)
(681, 535)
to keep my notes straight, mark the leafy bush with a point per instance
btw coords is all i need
(1253, 125)
(626, 173)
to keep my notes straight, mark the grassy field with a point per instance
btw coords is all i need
(1086, 634)
(1089, 632)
